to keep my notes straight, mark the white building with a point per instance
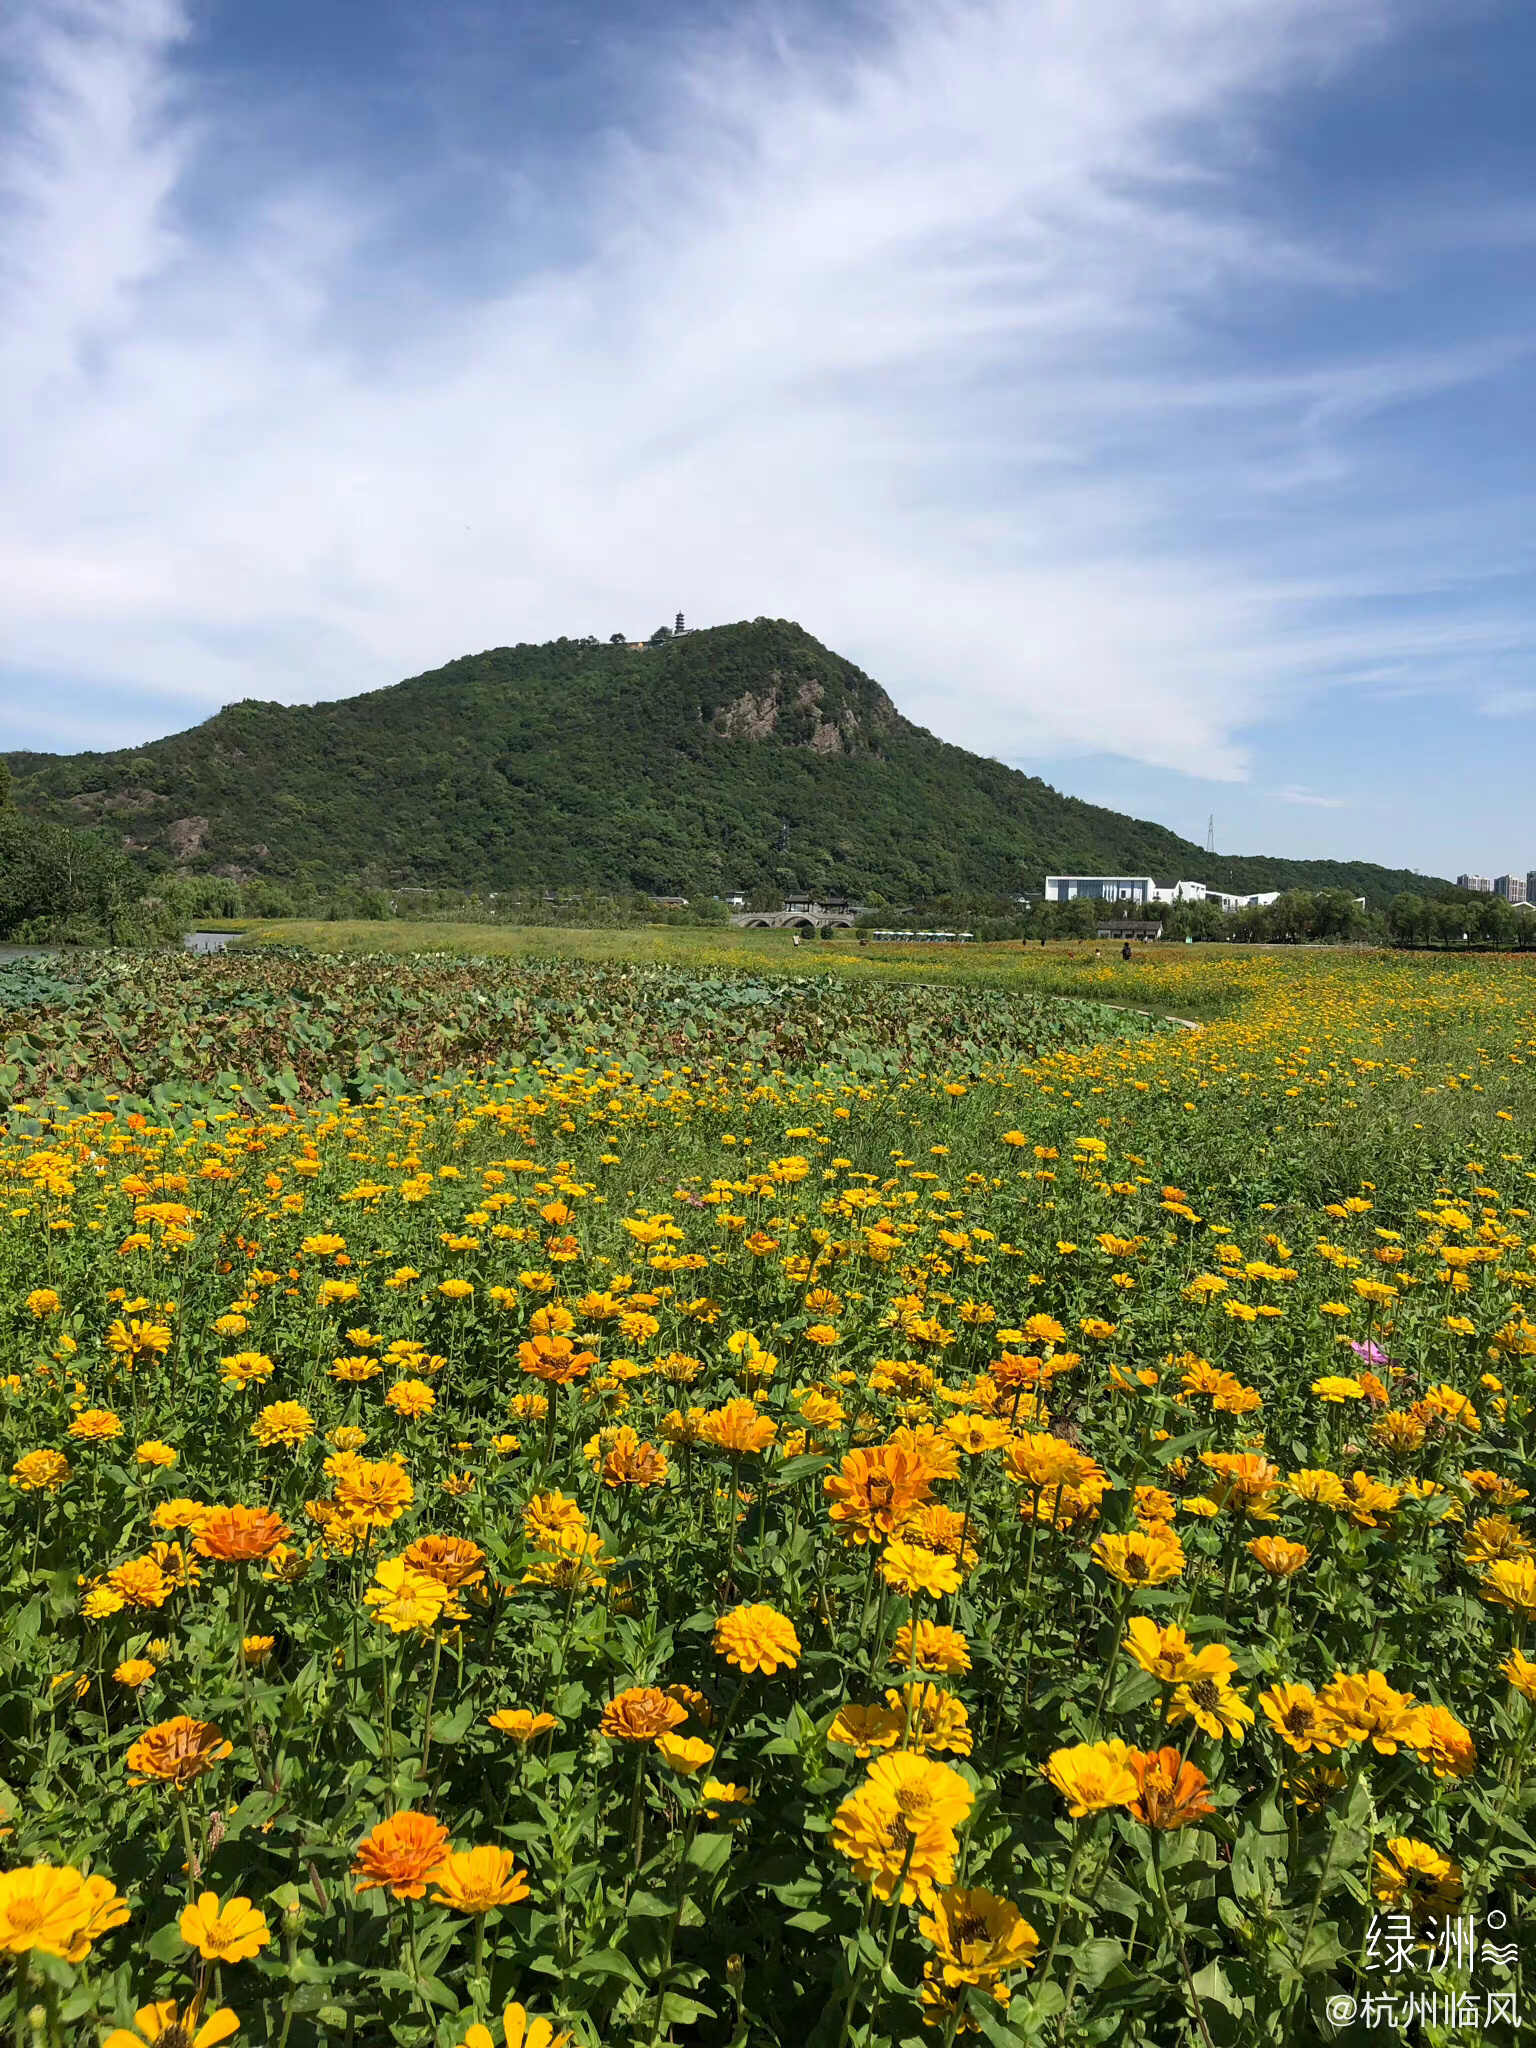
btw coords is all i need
(1479, 883)
(1143, 889)
(1510, 887)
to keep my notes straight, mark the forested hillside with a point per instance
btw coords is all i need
(743, 757)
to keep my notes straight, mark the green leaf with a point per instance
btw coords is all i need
(1095, 1959)
(800, 1468)
(364, 1734)
(1211, 1986)
(709, 1853)
(453, 1727)
(607, 1962)
(676, 2010)
(1323, 1948)
(166, 1944)
(1045, 2005)
(1117, 1897)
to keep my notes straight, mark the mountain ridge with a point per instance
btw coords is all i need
(746, 756)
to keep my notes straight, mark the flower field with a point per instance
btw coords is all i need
(564, 1504)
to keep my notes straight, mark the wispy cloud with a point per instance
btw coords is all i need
(1312, 800)
(898, 334)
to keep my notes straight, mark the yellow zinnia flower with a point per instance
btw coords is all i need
(913, 1570)
(402, 1598)
(978, 1937)
(866, 1729)
(167, 2024)
(522, 1725)
(475, 1881)
(1511, 1582)
(686, 1754)
(1141, 1557)
(1301, 1722)
(224, 1934)
(757, 1638)
(56, 1911)
(518, 2030)
(1093, 1776)
(1415, 1878)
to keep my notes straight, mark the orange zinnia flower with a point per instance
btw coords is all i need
(555, 1360)
(738, 1429)
(373, 1494)
(874, 1491)
(1172, 1792)
(1012, 1371)
(177, 1751)
(1281, 1558)
(1246, 1482)
(452, 1560)
(403, 1854)
(641, 1714)
(1044, 1463)
(238, 1534)
(636, 1464)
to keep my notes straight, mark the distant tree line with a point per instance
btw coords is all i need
(213, 899)
(60, 885)
(1460, 920)
(1451, 918)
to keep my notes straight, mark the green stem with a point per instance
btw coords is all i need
(965, 1520)
(1109, 1668)
(186, 1839)
(637, 1807)
(1066, 1899)
(1512, 1777)
(290, 1947)
(386, 1665)
(890, 1925)
(677, 1918)
(1317, 1896)
(955, 2018)
(735, 1514)
(410, 1943)
(426, 1740)
(1178, 1941)
(1072, 1975)
(877, 1635)
(857, 1983)
(477, 1983)
(1237, 1539)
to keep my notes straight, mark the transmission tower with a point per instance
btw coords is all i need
(1210, 834)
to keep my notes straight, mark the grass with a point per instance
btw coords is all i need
(1158, 979)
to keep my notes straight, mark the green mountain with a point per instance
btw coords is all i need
(742, 757)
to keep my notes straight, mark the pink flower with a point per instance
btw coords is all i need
(1372, 1354)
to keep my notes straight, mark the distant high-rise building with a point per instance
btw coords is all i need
(1480, 883)
(1510, 887)
(1530, 886)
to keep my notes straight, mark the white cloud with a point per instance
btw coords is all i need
(1312, 800)
(886, 338)
(1511, 703)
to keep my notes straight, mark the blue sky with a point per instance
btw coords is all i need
(1143, 390)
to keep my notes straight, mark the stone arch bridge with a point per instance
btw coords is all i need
(805, 917)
